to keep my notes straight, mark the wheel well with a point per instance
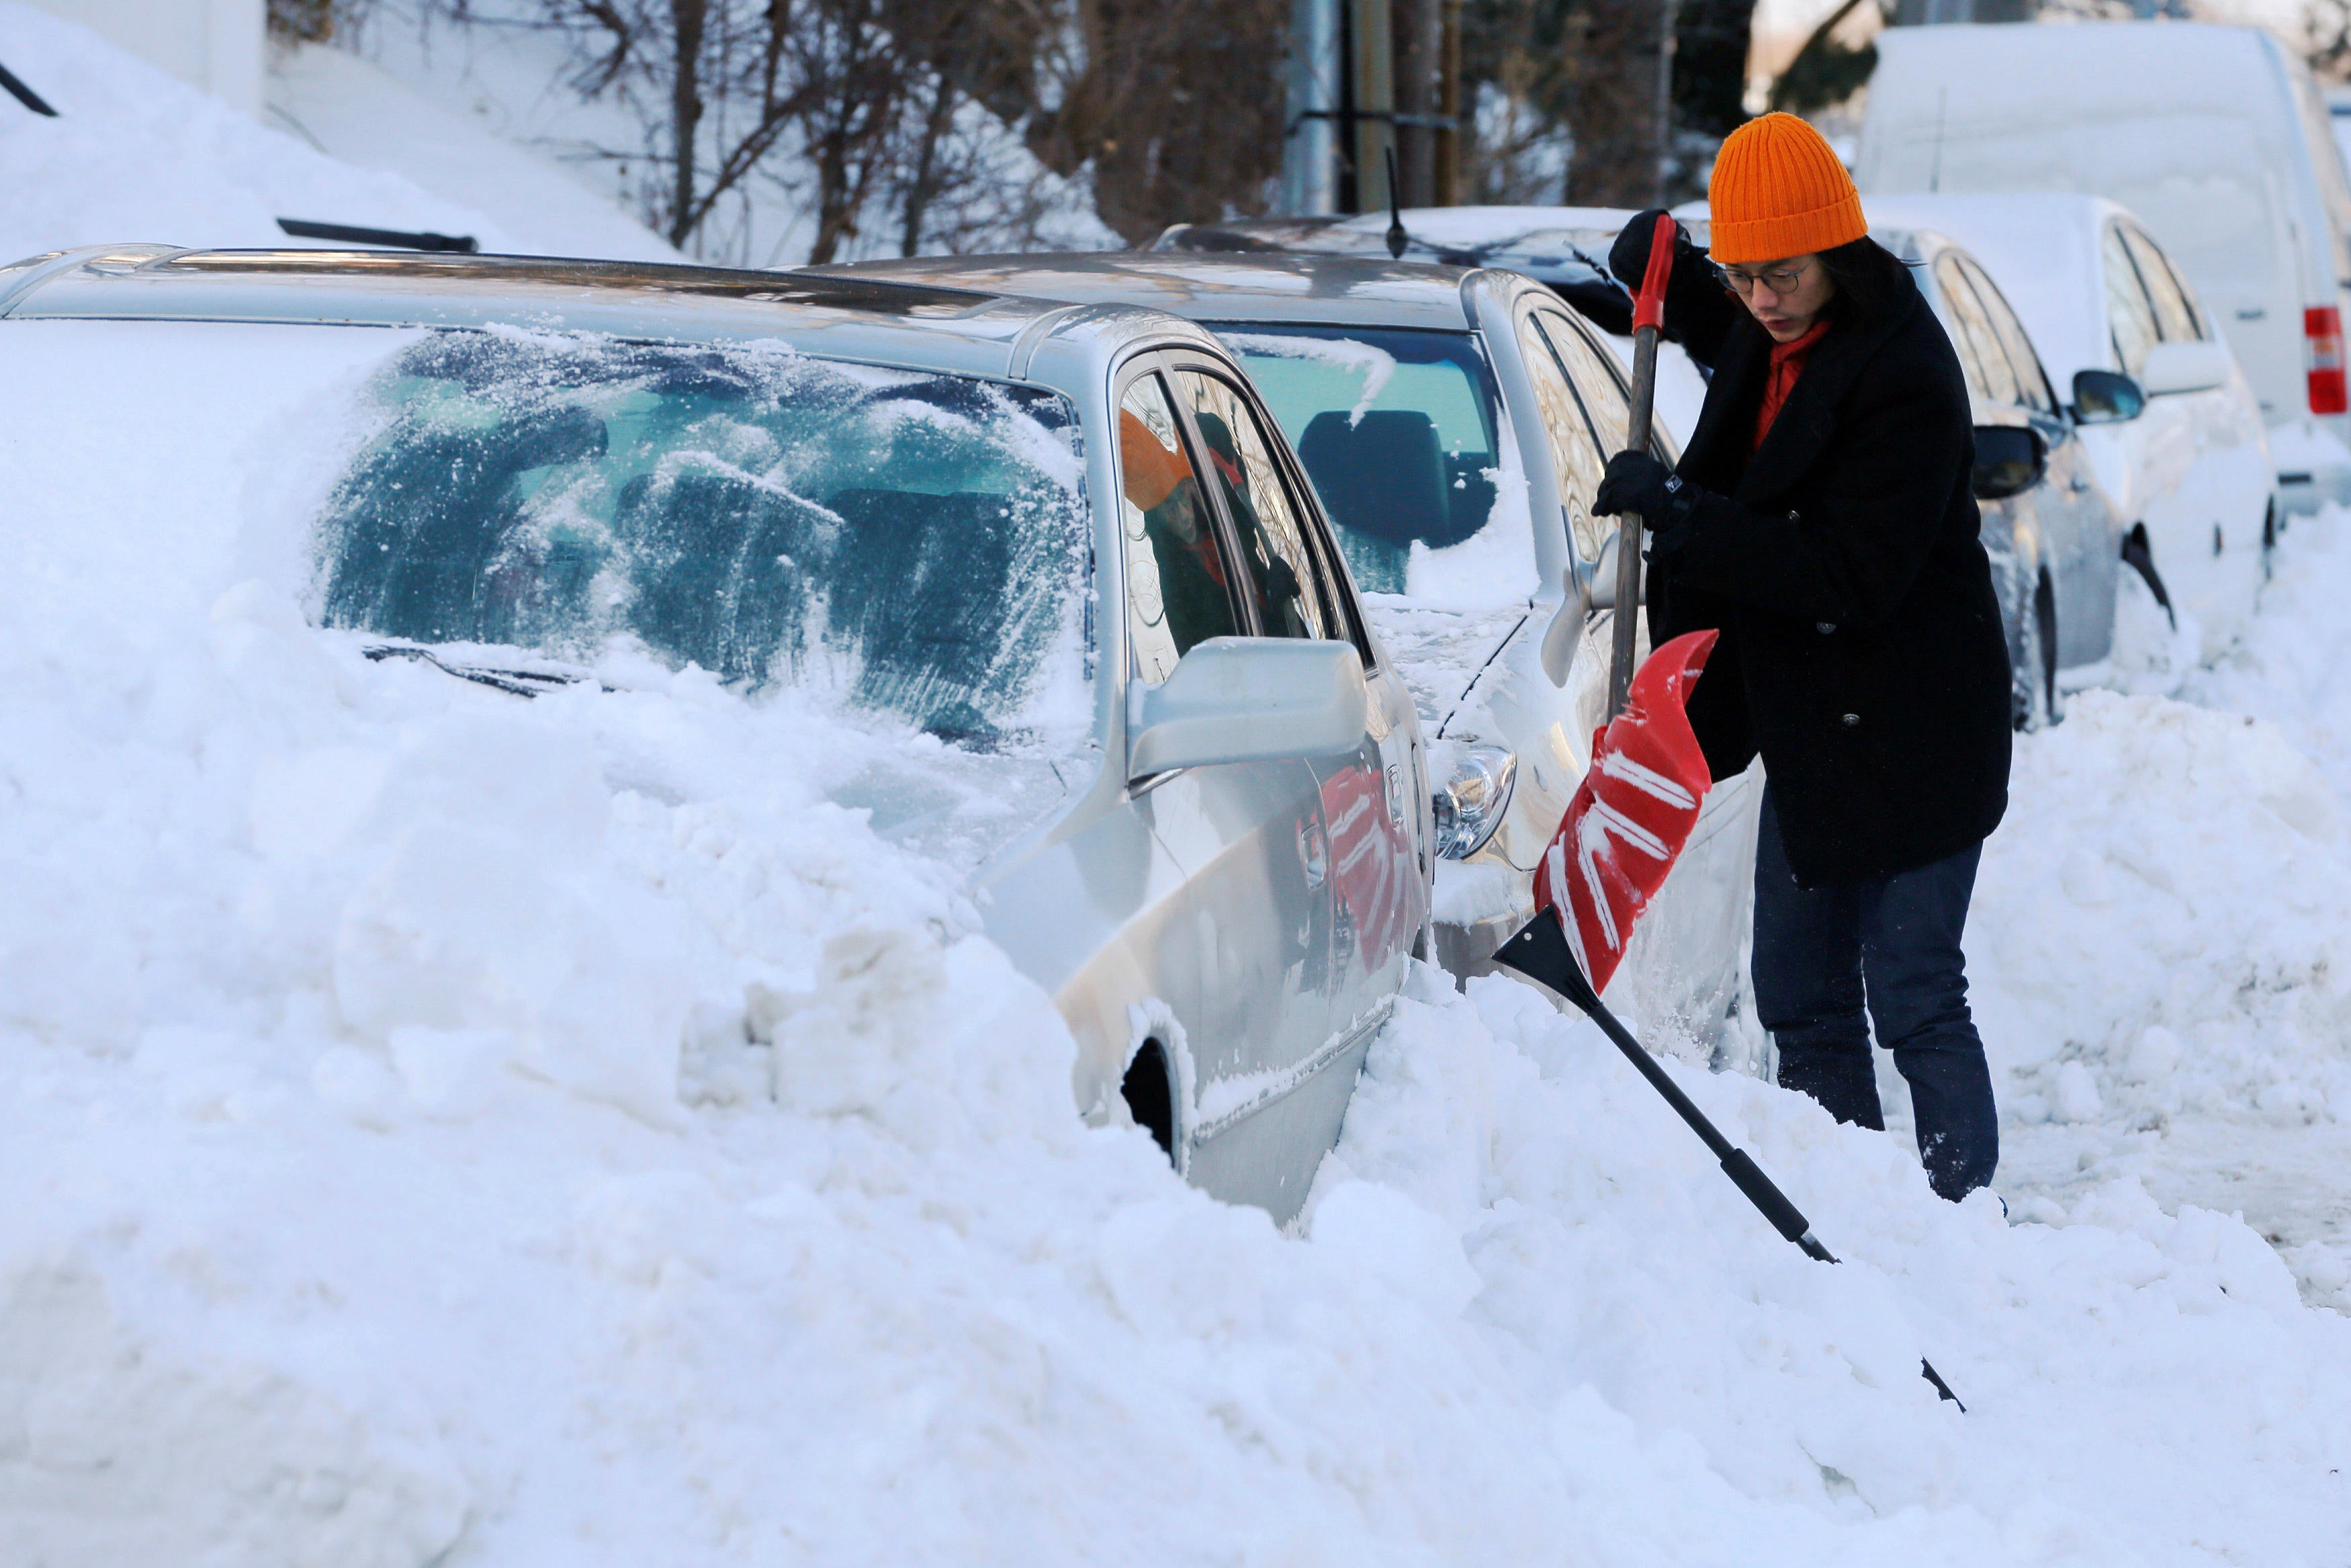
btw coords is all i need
(1149, 1090)
(2044, 616)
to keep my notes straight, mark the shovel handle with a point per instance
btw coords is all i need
(1648, 317)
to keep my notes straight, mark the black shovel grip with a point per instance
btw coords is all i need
(1785, 1217)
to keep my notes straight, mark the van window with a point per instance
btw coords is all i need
(2326, 164)
(2130, 318)
(2173, 320)
(1980, 354)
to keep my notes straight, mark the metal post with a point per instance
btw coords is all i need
(1310, 154)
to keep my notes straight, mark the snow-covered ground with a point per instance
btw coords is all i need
(136, 155)
(455, 1130)
(449, 1129)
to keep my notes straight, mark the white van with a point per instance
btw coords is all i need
(2215, 137)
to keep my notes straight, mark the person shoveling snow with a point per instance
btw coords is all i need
(1821, 520)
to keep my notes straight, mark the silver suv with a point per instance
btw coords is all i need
(1456, 422)
(1063, 556)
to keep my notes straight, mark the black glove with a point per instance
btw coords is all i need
(1628, 257)
(1635, 482)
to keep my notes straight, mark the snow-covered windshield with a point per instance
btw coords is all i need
(1397, 429)
(905, 543)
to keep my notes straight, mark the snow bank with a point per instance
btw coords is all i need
(451, 1130)
(135, 154)
(455, 1130)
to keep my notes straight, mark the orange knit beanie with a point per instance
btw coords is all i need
(1779, 192)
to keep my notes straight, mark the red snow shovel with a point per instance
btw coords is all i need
(1623, 830)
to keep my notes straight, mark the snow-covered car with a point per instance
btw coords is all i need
(2215, 137)
(1563, 248)
(2182, 449)
(1059, 565)
(1455, 423)
(2053, 531)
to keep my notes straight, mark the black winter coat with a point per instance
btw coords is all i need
(1862, 649)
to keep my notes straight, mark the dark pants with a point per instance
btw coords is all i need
(1893, 945)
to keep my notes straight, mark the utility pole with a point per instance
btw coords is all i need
(1371, 107)
(1365, 77)
(1309, 151)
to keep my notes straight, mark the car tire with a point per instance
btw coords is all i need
(2033, 656)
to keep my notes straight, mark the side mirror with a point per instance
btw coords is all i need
(2184, 368)
(2009, 459)
(1250, 699)
(2106, 397)
(1584, 588)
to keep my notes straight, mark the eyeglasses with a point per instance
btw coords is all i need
(1779, 280)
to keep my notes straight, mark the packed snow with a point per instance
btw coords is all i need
(453, 1130)
(462, 1129)
(137, 155)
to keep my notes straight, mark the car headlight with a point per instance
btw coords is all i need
(1475, 795)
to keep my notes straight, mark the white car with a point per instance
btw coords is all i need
(1563, 248)
(2190, 471)
(2216, 138)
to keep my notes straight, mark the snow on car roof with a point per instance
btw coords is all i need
(1252, 285)
(866, 317)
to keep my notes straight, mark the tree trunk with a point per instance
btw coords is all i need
(1419, 52)
(922, 185)
(687, 18)
(1613, 111)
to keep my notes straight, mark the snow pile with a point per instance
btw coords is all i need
(2174, 927)
(455, 1130)
(2158, 940)
(135, 154)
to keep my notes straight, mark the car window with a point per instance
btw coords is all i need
(1980, 354)
(1177, 575)
(1280, 579)
(2196, 314)
(2173, 320)
(1593, 373)
(897, 542)
(2032, 379)
(1396, 431)
(2130, 318)
(1576, 453)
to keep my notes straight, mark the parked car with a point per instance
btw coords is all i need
(1563, 248)
(1456, 423)
(2182, 449)
(2054, 534)
(1065, 556)
(2215, 137)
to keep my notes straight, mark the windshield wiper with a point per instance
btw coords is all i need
(521, 682)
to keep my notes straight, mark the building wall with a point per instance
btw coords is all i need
(217, 44)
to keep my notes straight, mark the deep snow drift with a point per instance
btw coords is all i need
(138, 155)
(452, 1129)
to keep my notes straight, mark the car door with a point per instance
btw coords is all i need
(2081, 541)
(2013, 530)
(2219, 471)
(2157, 449)
(1265, 959)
